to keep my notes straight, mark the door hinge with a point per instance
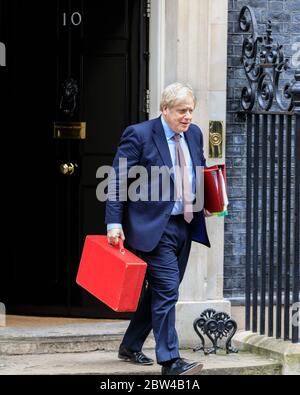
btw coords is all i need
(148, 8)
(147, 101)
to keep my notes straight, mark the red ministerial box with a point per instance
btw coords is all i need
(213, 191)
(110, 273)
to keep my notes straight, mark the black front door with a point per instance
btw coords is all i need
(75, 76)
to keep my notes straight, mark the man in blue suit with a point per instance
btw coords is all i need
(160, 230)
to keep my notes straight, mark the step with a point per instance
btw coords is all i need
(47, 339)
(107, 363)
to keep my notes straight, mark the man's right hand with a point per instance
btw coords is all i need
(114, 234)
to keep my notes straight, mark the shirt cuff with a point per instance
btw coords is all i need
(114, 226)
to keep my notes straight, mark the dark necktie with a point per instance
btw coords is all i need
(183, 182)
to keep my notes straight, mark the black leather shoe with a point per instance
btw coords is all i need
(182, 367)
(134, 356)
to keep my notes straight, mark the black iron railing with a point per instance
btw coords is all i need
(271, 104)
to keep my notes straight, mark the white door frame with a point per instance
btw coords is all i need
(157, 55)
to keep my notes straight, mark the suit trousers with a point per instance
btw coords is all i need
(156, 310)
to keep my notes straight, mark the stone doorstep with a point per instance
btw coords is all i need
(107, 363)
(91, 349)
(285, 352)
(61, 338)
(67, 344)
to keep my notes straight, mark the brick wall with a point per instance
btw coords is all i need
(285, 17)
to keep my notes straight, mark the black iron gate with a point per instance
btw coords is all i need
(271, 105)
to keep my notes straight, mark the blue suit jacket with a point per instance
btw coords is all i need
(143, 222)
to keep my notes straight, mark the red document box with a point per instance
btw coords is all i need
(112, 274)
(213, 190)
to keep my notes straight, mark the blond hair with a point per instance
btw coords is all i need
(176, 92)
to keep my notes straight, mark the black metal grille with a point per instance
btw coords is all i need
(271, 104)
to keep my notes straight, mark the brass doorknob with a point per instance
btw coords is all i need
(67, 168)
